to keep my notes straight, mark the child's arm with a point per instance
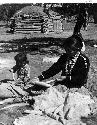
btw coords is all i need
(13, 74)
(27, 70)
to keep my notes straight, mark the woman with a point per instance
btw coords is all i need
(73, 64)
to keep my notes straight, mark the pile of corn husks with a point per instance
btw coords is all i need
(56, 108)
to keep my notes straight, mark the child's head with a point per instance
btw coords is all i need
(21, 58)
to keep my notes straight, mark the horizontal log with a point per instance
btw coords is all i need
(29, 24)
(25, 29)
(31, 21)
(34, 27)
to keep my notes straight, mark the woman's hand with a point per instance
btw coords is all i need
(61, 78)
(35, 79)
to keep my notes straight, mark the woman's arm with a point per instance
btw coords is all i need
(53, 70)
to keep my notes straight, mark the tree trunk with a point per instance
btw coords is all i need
(95, 13)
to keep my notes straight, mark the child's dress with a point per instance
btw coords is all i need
(23, 74)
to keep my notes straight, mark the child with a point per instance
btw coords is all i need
(22, 69)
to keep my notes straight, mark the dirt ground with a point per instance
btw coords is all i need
(36, 58)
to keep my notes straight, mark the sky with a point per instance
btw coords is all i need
(47, 1)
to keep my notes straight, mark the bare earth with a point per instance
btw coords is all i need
(38, 61)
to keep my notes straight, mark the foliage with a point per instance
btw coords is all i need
(70, 9)
(65, 9)
(8, 10)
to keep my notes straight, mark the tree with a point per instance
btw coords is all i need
(8, 10)
(95, 13)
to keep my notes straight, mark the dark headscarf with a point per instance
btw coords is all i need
(74, 42)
